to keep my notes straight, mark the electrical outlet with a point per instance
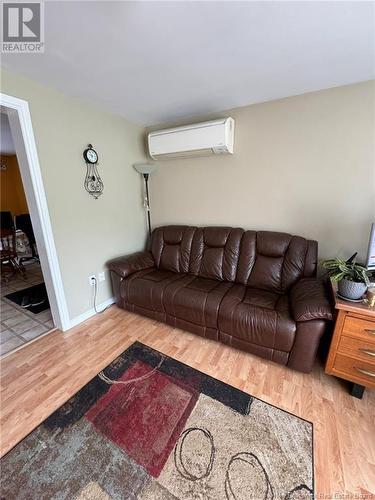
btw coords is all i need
(92, 280)
(101, 276)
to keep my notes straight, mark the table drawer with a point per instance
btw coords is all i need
(357, 348)
(359, 328)
(359, 371)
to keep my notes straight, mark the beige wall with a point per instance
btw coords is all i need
(87, 232)
(304, 165)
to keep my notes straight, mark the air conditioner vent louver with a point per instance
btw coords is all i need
(184, 154)
(201, 139)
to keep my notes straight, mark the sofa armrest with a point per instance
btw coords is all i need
(309, 300)
(129, 264)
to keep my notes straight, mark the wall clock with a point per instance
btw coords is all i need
(93, 183)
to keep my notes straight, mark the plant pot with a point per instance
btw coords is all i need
(351, 289)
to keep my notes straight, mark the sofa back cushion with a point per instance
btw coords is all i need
(215, 253)
(260, 259)
(171, 247)
(275, 261)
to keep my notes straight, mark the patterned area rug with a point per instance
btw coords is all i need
(151, 428)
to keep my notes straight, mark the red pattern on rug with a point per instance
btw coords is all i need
(145, 419)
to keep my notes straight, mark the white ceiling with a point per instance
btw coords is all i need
(6, 139)
(154, 62)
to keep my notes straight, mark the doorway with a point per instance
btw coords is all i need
(24, 306)
(32, 301)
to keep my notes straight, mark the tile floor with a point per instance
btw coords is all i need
(18, 325)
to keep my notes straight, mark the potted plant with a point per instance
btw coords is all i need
(352, 279)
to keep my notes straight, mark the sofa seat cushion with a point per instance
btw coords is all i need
(195, 300)
(146, 288)
(257, 316)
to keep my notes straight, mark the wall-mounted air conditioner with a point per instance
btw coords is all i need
(200, 139)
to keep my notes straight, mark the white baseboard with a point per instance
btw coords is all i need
(88, 314)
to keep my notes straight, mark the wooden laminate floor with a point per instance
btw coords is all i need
(38, 378)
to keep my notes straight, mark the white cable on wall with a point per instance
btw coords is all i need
(95, 295)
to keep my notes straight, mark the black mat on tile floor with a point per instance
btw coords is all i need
(33, 299)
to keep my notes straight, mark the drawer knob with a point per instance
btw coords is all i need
(368, 351)
(370, 331)
(365, 372)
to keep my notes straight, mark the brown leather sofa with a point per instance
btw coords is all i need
(256, 291)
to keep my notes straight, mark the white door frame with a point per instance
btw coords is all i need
(27, 156)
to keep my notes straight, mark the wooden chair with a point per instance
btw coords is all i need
(8, 253)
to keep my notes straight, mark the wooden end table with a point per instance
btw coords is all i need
(352, 351)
